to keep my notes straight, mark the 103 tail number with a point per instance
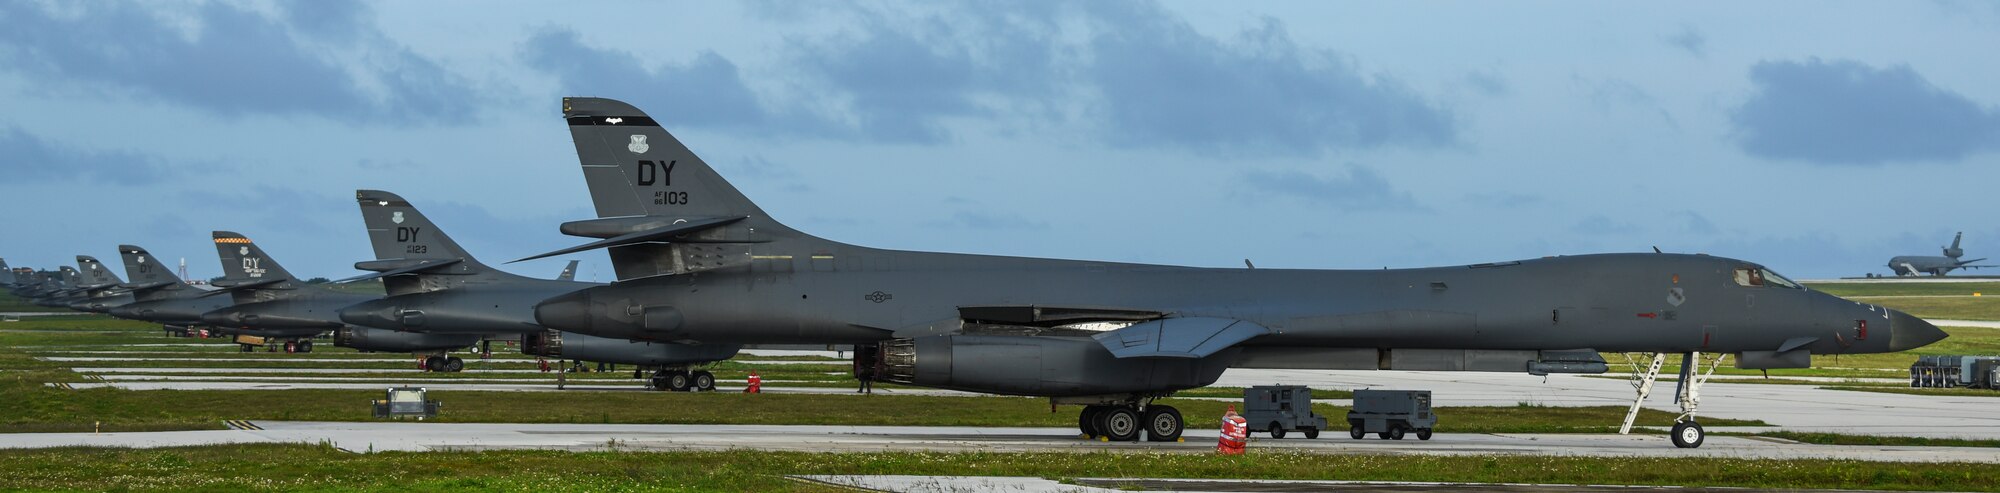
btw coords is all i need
(662, 174)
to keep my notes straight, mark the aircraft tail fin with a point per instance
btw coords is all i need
(6, 274)
(1953, 251)
(150, 278)
(143, 268)
(655, 197)
(94, 273)
(634, 167)
(398, 230)
(243, 261)
(568, 272)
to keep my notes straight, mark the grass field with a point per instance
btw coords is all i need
(34, 406)
(244, 467)
(1851, 289)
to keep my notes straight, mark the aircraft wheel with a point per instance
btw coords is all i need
(1312, 433)
(1396, 433)
(433, 363)
(659, 381)
(1163, 424)
(305, 346)
(454, 365)
(1119, 424)
(247, 348)
(1356, 432)
(679, 381)
(1277, 431)
(1688, 434)
(704, 381)
(1086, 421)
(1423, 433)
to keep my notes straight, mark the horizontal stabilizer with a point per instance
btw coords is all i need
(239, 286)
(646, 236)
(397, 267)
(1193, 337)
(137, 286)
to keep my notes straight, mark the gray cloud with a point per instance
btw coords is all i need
(1689, 40)
(1144, 77)
(897, 79)
(26, 157)
(1164, 83)
(1843, 112)
(1362, 189)
(707, 91)
(233, 61)
(1597, 224)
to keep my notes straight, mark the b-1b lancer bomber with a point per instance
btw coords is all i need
(435, 286)
(699, 263)
(1910, 265)
(270, 302)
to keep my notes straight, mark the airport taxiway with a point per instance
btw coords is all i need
(412, 436)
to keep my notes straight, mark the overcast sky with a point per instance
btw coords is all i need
(1819, 138)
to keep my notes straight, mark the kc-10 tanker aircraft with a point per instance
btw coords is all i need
(699, 263)
(1910, 265)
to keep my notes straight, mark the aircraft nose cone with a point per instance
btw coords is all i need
(1908, 332)
(570, 312)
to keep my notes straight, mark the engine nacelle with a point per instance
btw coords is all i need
(570, 345)
(1038, 366)
(372, 339)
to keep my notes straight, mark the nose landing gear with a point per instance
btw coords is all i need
(1687, 392)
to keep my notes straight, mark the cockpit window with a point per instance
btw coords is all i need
(1751, 276)
(1772, 278)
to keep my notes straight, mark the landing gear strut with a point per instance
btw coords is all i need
(1126, 421)
(1687, 392)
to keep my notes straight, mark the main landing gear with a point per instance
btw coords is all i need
(443, 363)
(1687, 392)
(1126, 421)
(683, 380)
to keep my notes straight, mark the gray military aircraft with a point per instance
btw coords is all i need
(436, 286)
(64, 288)
(1910, 265)
(270, 301)
(160, 296)
(102, 290)
(1116, 336)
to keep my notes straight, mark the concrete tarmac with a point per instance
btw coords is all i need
(1804, 408)
(414, 436)
(1017, 484)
